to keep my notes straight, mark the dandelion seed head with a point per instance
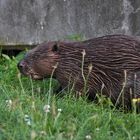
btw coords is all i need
(33, 134)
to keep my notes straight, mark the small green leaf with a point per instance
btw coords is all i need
(6, 57)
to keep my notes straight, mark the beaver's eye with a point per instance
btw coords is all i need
(55, 48)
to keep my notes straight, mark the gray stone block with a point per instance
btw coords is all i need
(35, 21)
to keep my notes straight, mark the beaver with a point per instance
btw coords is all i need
(107, 65)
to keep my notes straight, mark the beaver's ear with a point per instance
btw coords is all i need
(55, 47)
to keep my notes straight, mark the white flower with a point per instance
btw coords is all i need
(59, 110)
(42, 132)
(9, 103)
(29, 122)
(27, 119)
(46, 108)
(88, 137)
(33, 135)
(97, 129)
(133, 137)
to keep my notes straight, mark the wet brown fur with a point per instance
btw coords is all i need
(111, 63)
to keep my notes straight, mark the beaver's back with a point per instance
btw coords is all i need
(116, 65)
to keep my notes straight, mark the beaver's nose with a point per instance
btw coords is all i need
(21, 65)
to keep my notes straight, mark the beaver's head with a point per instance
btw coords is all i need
(39, 62)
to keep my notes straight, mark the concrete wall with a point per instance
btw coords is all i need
(34, 21)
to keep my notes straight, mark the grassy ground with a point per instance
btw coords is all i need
(29, 111)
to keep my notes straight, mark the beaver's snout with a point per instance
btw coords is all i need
(26, 69)
(21, 65)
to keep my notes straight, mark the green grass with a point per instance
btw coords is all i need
(24, 117)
